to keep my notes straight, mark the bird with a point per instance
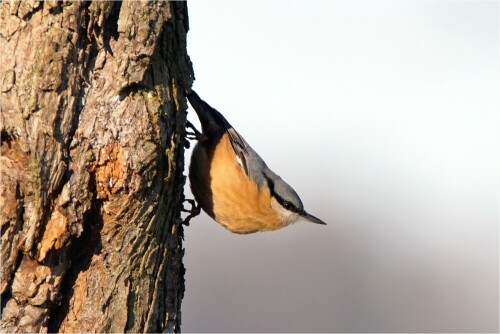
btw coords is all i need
(232, 183)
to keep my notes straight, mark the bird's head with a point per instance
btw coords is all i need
(286, 202)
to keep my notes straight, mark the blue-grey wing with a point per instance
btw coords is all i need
(240, 147)
(250, 161)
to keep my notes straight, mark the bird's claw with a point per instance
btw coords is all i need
(193, 212)
(195, 134)
(192, 134)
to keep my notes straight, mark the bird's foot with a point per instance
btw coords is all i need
(194, 134)
(193, 212)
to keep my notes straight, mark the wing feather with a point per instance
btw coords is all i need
(240, 146)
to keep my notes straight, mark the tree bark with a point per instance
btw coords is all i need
(92, 157)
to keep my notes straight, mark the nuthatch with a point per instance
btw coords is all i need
(232, 183)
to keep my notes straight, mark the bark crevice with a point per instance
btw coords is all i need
(80, 253)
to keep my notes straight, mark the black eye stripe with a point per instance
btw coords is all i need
(270, 184)
(287, 205)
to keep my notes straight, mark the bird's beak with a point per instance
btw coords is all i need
(311, 218)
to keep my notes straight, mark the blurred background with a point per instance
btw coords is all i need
(385, 118)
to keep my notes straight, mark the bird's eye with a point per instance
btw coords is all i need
(288, 205)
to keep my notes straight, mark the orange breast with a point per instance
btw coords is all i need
(228, 195)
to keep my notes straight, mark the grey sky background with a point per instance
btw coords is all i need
(385, 118)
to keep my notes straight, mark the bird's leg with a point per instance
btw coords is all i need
(193, 212)
(195, 134)
(192, 134)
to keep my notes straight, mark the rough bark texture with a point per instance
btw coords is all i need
(92, 128)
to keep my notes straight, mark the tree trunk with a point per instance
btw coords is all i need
(92, 156)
